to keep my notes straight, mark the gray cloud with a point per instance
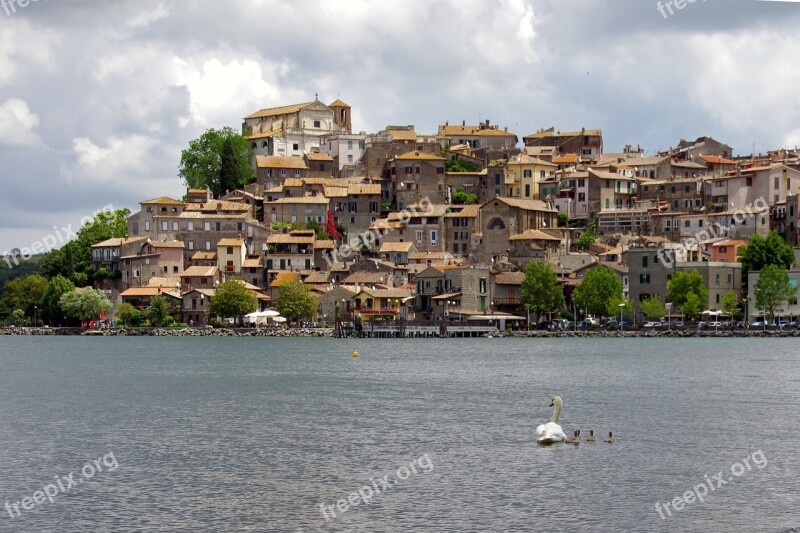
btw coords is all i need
(98, 99)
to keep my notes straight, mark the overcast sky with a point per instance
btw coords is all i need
(97, 99)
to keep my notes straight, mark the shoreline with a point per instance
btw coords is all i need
(328, 332)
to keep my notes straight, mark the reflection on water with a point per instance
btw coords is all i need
(255, 434)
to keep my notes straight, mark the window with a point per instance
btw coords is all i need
(419, 236)
(700, 223)
(455, 235)
(527, 190)
(316, 124)
(373, 207)
(219, 226)
(497, 179)
(147, 225)
(687, 223)
(581, 196)
(295, 146)
(776, 183)
(687, 188)
(207, 226)
(349, 158)
(581, 182)
(190, 226)
(164, 225)
(644, 261)
(644, 279)
(175, 226)
(730, 278)
(527, 173)
(439, 170)
(409, 170)
(433, 237)
(191, 245)
(723, 249)
(208, 246)
(672, 189)
(482, 285)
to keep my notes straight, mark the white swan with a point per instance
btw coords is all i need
(551, 432)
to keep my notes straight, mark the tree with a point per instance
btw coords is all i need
(760, 252)
(74, 260)
(159, 312)
(541, 289)
(460, 165)
(295, 301)
(127, 314)
(201, 163)
(612, 308)
(684, 284)
(85, 304)
(233, 300)
(773, 288)
(56, 288)
(459, 197)
(227, 167)
(692, 306)
(730, 302)
(25, 293)
(586, 239)
(600, 286)
(19, 317)
(652, 308)
(330, 227)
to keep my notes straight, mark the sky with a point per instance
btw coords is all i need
(97, 99)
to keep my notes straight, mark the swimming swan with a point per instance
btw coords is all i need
(574, 438)
(611, 439)
(551, 432)
(591, 437)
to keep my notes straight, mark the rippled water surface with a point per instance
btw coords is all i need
(240, 434)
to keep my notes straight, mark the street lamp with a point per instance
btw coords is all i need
(528, 309)
(621, 307)
(35, 312)
(669, 316)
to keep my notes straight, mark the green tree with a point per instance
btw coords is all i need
(201, 163)
(233, 300)
(159, 312)
(730, 302)
(652, 308)
(127, 314)
(85, 304)
(459, 197)
(19, 317)
(541, 289)
(25, 293)
(692, 306)
(600, 286)
(612, 308)
(773, 288)
(682, 284)
(295, 301)
(586, 239)
(460, 165)
(762, 251)
(227, 167)
(74, 259)
(56, 288)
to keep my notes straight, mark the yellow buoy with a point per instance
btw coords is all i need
(355, 354)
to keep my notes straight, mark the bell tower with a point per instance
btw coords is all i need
(341, 116)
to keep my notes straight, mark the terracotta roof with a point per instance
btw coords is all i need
(253, 262)
(367, 188)
(230, 242)
(206, 215)
(117, 241)
(336, 192)
(717, 160)
(199, 272)
(474, 131)
(147, 291)
(280, 161)
(510, 278)
(527, 205)
(396, 247)
(402, 135)
(167, 244)
(551, 133)
(284, 278)
(387, 293)
(469, 211)
(162, 200)
(204, 256)
(275, 111)
(320, 199)
(337, 103)
(286, 238)
(319, 156)
(418, 155)
(525, 159)
(321, 277)
(566, 158)
(162, 282)
(325, 244)
(533, 235)
(263, 134)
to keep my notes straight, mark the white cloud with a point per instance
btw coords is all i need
(145, 18)
(25, 51)
(17, 124)
(122, 158)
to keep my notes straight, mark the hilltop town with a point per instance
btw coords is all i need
(441, 225)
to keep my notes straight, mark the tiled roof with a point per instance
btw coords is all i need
(396, 247)
(527, 205)
(525, 159)
(338, 103)
(533, 235)
(402, 135)
(134, 292)
(286, 238)
(319, 156)
(566, 158)
(280, 161)
(510, 278)
(366, 188)
(551, 133)
(276, 111)
(253, 262)
(162, 200)
(324, 244)
(199, 272)
(473, 131)
(217, 205)
(418, 155)
(387, 293)
(469, 211)
(204, 256)
(117, 241)
(167, 244)
(336, 192)
(300, 200)
(230, 242)
(284, 278)
(162, 282)
(717, 160)
(263, 134)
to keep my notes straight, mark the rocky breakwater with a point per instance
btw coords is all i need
(685, 333)
(173, 332)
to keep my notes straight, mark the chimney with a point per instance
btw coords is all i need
(463, 122)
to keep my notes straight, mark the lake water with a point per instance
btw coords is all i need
(256, 434)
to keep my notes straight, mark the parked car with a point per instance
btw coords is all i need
(700, 325)
(742, 325)
(758, 324)
(715, 324)
(676, 324)
(653, 324)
